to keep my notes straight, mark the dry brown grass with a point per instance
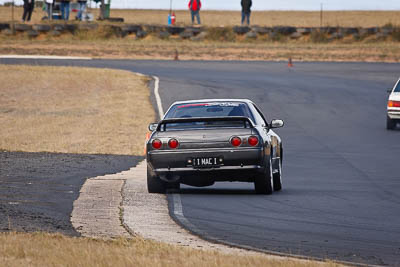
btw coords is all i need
(218, 18)
(73, 110)
(267, 18)
(40, 249)
(128, 48)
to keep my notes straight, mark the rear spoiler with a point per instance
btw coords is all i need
(205, 119)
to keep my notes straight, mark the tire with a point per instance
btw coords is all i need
(22, 27)
(155, 184)
(54, 33)
(41, 27)
(32, 34)
(277, 177)
(59, 27)
(390, 124)
(263, 183)
(174, 186)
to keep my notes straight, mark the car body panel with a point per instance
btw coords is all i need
(394, 112)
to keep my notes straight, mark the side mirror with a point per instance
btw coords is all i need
(389, 90)
(276, 124)
(153, 127)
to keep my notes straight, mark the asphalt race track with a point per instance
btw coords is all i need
(341, 195)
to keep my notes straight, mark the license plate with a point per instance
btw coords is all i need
(206, 162)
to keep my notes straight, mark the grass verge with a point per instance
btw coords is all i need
(73, 110)
(41, 249)
(128, 48)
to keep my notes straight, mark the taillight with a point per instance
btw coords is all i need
(393, 104)
(236, 141)
(173, 143)
(253, 140)
(156, 144)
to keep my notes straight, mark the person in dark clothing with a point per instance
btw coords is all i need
(194, 6)
(246, 5)
(65, 9)
(28, 9)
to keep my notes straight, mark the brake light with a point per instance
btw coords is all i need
(173, 143)
(236, 141)
(253, 140)
(393, 104)
(157, 144)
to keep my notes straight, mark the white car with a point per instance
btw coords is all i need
(393, 107)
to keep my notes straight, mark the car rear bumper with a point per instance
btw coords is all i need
(238, 164)
(394, 114)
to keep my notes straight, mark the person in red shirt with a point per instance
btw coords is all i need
(194, 7)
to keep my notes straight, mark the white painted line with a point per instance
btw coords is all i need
(158, 98)
(178, 212)
(176, 198)
(140, 74)
(42, 57)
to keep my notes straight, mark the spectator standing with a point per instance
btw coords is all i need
(65, 9)
(246, 5)
(49, 8)
(28, 9)
(82, 8)
(194, 6)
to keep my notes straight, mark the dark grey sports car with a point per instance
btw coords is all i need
(200, 142)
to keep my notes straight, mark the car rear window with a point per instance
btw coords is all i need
(212, 109)
(204, 125)
(397, 88)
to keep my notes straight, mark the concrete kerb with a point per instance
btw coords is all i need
(99, 210)
(96, 212)
(148, 216)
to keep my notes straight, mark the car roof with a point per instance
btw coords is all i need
(212, 100)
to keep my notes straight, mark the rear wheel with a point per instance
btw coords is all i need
(175, 186)
(390, 124)
(155, 184)
(264, 183)
(278, 178)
